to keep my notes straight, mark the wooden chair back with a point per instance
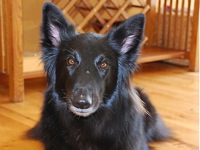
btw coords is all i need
(99, 16)
(172, 22)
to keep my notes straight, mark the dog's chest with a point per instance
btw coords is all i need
(91, 139)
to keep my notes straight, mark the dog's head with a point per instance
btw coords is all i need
(84, 69)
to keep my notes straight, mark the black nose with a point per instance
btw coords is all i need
(82, 103)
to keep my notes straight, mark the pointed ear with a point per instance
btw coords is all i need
(127, 37)
(55, 27)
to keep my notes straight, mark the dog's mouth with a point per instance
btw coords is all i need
(83, 112)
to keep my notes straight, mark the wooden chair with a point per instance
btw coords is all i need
(164, 41)
(172, 28)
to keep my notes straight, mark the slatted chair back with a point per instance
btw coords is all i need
(172, 23)
(99, 16)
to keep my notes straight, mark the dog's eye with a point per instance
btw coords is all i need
(103, 65)
(71, 61)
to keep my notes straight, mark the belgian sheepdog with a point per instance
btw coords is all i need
(90, 103)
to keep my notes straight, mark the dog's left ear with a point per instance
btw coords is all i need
(126, 39)
(55, 27)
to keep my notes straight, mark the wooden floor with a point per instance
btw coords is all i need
(173, 90)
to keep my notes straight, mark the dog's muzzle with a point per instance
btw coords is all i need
(83, 102)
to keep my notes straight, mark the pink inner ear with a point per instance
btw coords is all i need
(54, 35)
(127, 42)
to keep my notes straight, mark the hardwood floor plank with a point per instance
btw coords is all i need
(13, 135)
(16, 116)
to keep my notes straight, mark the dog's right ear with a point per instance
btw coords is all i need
(55, 27)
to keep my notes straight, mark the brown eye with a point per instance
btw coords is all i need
(70, 61)
(103, 65)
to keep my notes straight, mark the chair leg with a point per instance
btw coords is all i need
(15, 53)
(194, 52)
(16, 87)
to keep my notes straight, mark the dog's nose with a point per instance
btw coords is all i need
(82, 102)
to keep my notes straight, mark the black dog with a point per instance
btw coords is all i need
(90, 103)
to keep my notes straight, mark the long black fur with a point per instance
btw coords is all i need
(123, 117)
